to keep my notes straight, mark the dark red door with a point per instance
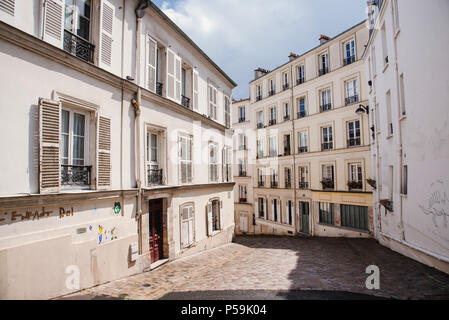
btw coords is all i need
(156, 236)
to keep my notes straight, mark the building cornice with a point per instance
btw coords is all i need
(190, 187)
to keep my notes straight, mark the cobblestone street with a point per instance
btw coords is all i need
(281, 263)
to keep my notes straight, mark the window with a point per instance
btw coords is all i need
(355, 217)
(353, 129)
(355, 176)
(395, 15)
(402, 94)
(389, 120)
(303, 142)
(216, 221)
(303, 177)
(287, 148)
(302, 108)
(242, 168)
(212, 102)
(327, 213)
(326, 102)
(272, 87)
(285, 83)
(404, 185)
(384, 45)
(242, 141)
(185, 159)
(274, 178)
(275, 209)
(187, 225)
(273, 151)
(352, 95)
(349, 51)
(227, 112)
(324, 64)
(288, 178)
(290, 212)
(286, 111)
(261, 178)
(300, 74)
(242, 194)
(326, 138)
(261, 204)
(242, 114)
(260, 119)
(153, 159)
(273, 116)
(260, 149)
(258, 92)
(74, 148)
(213, 162)
(328, 177)
(227, 160)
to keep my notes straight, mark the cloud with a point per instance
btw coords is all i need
(241, 35)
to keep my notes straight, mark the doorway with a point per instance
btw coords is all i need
(156, 230)
(304, 211)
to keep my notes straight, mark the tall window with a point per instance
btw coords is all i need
(227, 160)
(303, 142)
(324, 64)
(242, 168)
(327, 213)
(261, 178)
(288, 178)
(404, 184)
(389, 119)
(216, 215)
(272, 87)
(326, 102)
(303, 177)
(260, 149)
(327, 140)
(212, 102)
(188, 225)
(384, 44)
(258, 92)
(261, 204)
(285, 82)
(273, 116)
(153, 159)
(352, 95)
(260, 119)
(273, 147)
(287, 146)
(355, 176)
(242, 141)
(185, 159)
(213, 162)
(274, 178)
(300, 75)
(286, 111)
(349, 50)
(353, 128)
(242, 114)
(227, 111)
(301, 108)
(290, 212)
(402, 94)
(274, 209)
(77, 17)
(328, 177)
(242, 194)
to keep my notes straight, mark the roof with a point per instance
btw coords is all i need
(171, 23)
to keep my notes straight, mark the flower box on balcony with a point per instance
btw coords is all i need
(388, 204)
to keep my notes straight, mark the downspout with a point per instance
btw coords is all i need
(296, 205)
(122, 102)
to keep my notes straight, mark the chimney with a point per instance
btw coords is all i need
(324, 38)
(259, 72)
(292, 56)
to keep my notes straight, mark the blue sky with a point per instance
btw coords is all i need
(241, 35)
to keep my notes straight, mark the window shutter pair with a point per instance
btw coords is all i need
(173, 76)
(7, 11)
(209, 218)
(49, 148)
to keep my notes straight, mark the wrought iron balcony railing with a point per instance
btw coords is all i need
(243, 200)
(274, 184)
(354, 142)
(355, 185)
(287, 117)
(259, 125)
(261, 184)
(155, 177)
(301, 114)
(287, 151)
(303, 185)
(159, 87)
(272, 122)
(242, 147)
(242, 174)
(242, 120)
(300, 81)
(74, 175)
(325, 107)
(288, 184)
(303, 149)
(258, 98)
(352, 100)
(78, 47)
(323, 71)
(348, 60)
(185, 101)
(272, 92)
(327, 146)
(328, 183)
(285, 86)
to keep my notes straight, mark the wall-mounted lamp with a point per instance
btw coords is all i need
(362, 109)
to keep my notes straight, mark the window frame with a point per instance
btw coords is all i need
(188, 205)
(188, 162)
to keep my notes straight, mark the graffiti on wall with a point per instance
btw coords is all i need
(437, 205)
(33, 214)
(105, 235)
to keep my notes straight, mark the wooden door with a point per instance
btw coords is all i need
(156, 230)
(304, 209)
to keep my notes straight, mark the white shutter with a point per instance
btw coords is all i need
(256, 207)
(209, 218)
(53, 22)
(221, 216)
(279, 211)
(192, 224)
(293, 214)
(170, 74)
(184, 231)
(286, 211)
(272, 210)
(107, 12)
(178, 72)
(195, 89)
(265, 209)
(104, 153)
(151, 64)
(7, 11)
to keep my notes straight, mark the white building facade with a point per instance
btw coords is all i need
(119, 153)
(406, 63)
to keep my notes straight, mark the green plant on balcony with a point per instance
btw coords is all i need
(355, 185)
(372, 183)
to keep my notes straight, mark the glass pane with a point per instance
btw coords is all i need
(68, 15)
(83, 7)
(78, 150)
(64, 148)
(83, 27)
(65, 122)
(78, 124)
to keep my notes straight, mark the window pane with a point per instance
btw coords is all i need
(78, 124)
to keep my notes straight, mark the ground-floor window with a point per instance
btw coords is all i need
(275, 209)
(290, 212)
(327, 213)
(261, 203)
(187, 225)
(215, 215)
(354, 217)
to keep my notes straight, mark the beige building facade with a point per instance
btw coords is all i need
(309, 150)
(119, 153)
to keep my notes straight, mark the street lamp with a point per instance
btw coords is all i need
(362, 109)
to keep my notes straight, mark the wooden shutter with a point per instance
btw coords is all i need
(170, 74)
(209, 218)
(151, 64)
(53, 22)
(192, 225)
(256, 208)
(184, 227)
(104, 153)
(195, 89)
(178, 72)
(107, 15)
(221, 216)
(272, 210)
(279, 211)
(293, 214)
(49, 145)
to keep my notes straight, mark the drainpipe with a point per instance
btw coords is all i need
(122, 102)
(292, 104)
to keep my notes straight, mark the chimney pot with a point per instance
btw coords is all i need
(324, 38)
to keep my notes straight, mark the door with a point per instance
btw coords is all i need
(304, 211)
(156, 228)
(243, 222)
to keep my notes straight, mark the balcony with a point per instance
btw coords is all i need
(354, 142)
(327, 146)
(352, 100)
(325, 107)
(243, 200)
(242, 174)
(78, 47)
(301, 114)
(261, 184)
(327, 184)
(303, 149)
(272, 122)
(271, 92)
(258, 98)
(287, 151)
(303, 185)
(285, 86)
(242, 120)
(348, 60)
(155, 177)
(242, 147)
(355, 185)
(260, 155)
(159, 87)
(288, 184)
(274, 184)
(323, 71)
(185, 101)
(73, 175)
(300, 81)
(287, 117)
(259, 125)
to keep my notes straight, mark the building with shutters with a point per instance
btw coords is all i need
(309, 148)
(117, 152)
(408, 96)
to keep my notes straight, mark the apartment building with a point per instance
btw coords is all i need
(117, 152)
(312, 143)
(408, 94)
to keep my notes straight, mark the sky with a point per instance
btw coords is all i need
(242, 35)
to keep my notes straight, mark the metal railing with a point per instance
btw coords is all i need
(261, 184)
(303, 185)
(185, 101)
(155, 177)
(243, 200)
(242, 120)
(274, 184)
(271, 92)
(159, 87)
(75, 175)
(328, 184)
(348, 60)
(242, 174)
(303, 149)
(78, 47)
(272, 122)
(258, 98)
(288, 184)
(242, 147)
(301, 114)
(354, 142)
(323, 71)
(285, 86)
(259, 125)
(327, 146)
(287, 151)
(352, 100)
(325, 107)
(300, 81)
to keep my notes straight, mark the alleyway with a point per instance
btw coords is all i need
(279, 264)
